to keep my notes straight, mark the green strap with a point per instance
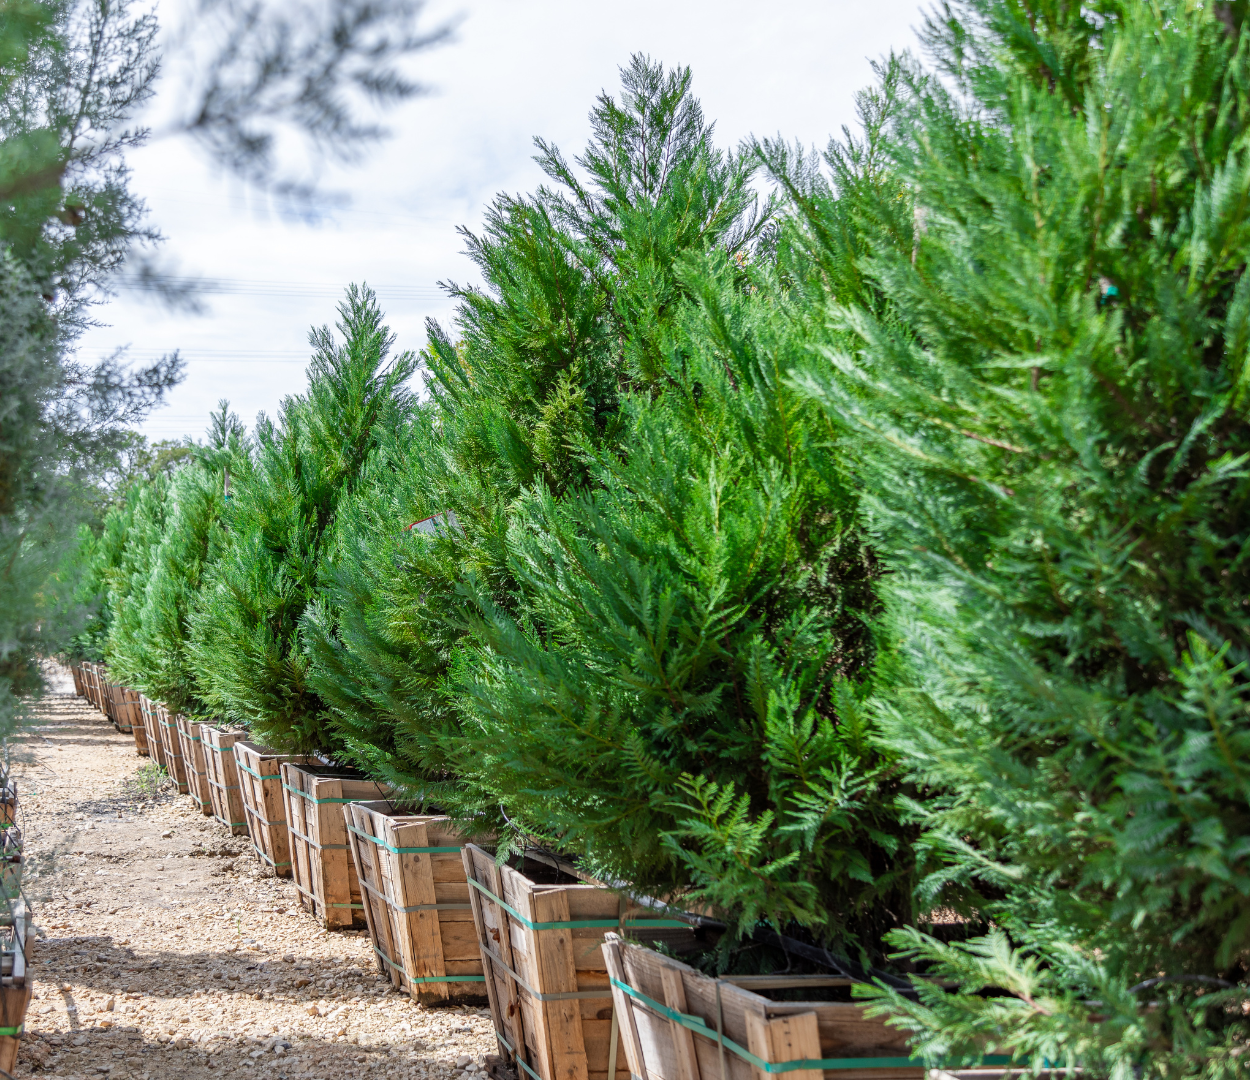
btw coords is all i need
(400, 850)
(313, 843)
(304, 794)
(12, 1030)
(428, 979)
(564, 995)
(264, 821)
(313, 898)
(265, 858)
(576, 924)
(412, 907)
(252, 772)
(699, 1026)
(520, 1060)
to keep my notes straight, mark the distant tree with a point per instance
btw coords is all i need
(75, 77)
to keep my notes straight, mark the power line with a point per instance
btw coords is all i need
(253, 287)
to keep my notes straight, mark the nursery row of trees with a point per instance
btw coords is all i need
(849, 562)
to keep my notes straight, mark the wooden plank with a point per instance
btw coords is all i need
(415, 886)
(495, 989)
(624, 1006)
(785, 1038)
(556, 973)
(683, 1037)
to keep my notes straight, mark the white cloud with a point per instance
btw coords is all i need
(516, 69)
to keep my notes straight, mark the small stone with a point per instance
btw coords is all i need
(313, 1010)
(462, 1061)
(167, 834)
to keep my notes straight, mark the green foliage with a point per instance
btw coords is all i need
(634, 625)
(245, 648)
(1038, 367)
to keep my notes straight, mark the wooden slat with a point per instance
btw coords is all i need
(785, 1038)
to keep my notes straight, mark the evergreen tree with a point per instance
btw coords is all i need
(677, 693)
(1044, 404)
(581, 291)
(245, 650)
(193, 540)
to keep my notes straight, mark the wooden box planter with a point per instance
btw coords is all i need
(167, 726)
(125, 708)
(90, 683)
(541, 932)
(322, 868)
(670, 1015)
(76, 671)
(16, 945)
(416, 902)
(106, 697)
(191, 744)
(260, 779)
(223, 776)
(151, 731)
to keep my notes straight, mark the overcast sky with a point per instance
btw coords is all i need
(515, 69)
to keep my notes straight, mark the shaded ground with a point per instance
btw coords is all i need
(164, 952)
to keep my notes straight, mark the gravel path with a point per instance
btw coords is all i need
(164, 952)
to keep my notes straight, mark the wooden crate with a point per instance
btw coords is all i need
(322, 868)
(167, 726)
(16, 982)
(76, 671)
(151, 731)
(541, 930)
(416, 902)
(125, 708)
(669, 1015)
(191, 744)
(90, 683)
(223, 776)
(261, 781)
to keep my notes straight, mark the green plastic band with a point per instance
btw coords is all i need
(699, 1026)
(429, 979)
(251, 772)
(304, 794)
(264, 821)
(313, 843)
(265, 858)
(11, 1031)
(401, 850)
(576, 924)
(300, 888)
(413, 907)
(566, 995)
(519, 1060)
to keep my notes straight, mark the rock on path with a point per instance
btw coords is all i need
(164, 952)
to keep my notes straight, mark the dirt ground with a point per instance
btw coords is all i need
(164, 952)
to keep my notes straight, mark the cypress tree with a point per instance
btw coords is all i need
(581, 298)
(1045, 407)
(246, 654)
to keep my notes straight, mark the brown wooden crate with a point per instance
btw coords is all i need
(167, 726)
(76, 671)
(152, 730)
(414, 937)
(223, 776)
(125, 708)
(191, 743)
(260, 781)
(661, 1049)
(531, 969)
(321, 863)
(93, 685)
